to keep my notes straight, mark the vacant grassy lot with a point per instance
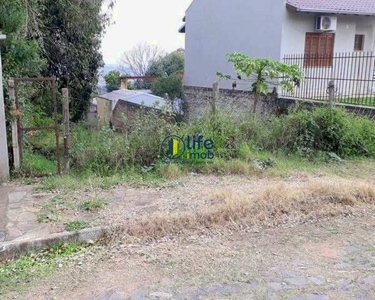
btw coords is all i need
(295, 171)
(225, 204)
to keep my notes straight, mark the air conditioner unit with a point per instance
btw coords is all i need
(326, 23)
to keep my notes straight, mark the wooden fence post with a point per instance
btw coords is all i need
(15, 146)
(215, 97)
(66, 116)
(331, 93)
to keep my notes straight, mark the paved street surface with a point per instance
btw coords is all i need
(18, 213)
(3, 212)
(333, 259)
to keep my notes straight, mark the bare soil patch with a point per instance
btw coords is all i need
(333, 259)
(198, 202)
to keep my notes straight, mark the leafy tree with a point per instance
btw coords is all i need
(20, 52)
(170, 64)
(170, 85)
(112, 80)
(60, 38)
(261, 70)
(71, 35)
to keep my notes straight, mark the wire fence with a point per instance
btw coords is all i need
(353, 75)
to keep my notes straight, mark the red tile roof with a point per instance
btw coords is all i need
(350, 7)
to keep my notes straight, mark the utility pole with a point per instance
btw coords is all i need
(4, 159)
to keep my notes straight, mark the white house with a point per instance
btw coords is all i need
(273, 29)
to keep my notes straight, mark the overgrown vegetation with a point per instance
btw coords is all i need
(243, 144)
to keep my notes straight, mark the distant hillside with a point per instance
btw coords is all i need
(110, 67)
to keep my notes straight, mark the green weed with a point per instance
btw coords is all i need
(17, 274)
(95, 203)
(37, 164)
(76, 225)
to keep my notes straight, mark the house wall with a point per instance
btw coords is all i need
(215, 28)
(104, 107)
(296, 25)
(265, 28)
(92, 113)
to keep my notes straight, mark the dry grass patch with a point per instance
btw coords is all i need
(275, 204)
(232, 167)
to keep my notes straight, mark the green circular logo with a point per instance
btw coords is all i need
(173, 147)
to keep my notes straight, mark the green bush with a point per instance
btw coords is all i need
(150, 129)
(324, 130)
(106, 152)
(103, 152)
(311, 133)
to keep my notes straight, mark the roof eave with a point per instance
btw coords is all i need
(136, 104)
(327, 11)
(182, 29)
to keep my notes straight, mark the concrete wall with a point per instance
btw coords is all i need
(215, 28)
(238, 102)
(104, 108)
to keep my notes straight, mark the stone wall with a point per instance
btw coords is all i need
(123, 116)
(198, 102)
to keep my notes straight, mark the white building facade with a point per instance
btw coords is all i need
(272, 29)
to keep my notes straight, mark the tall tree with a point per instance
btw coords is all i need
(20, 51)
(170, 85)
(112, 80)
(172, 63)
(140, 58)
(71, 32)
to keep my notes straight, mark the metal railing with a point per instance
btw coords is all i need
(353, 75)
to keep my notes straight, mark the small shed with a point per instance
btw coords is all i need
(118, 108)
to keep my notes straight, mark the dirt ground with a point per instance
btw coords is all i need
(332, 259)
(189, 194)
(322, 248)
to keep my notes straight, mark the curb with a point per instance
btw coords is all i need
(14, 249)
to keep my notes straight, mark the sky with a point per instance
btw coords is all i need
(136, 21)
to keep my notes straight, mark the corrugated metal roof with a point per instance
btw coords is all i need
(351, 7)
(139, 97)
